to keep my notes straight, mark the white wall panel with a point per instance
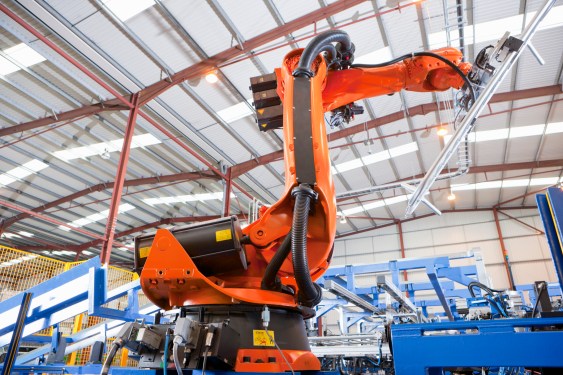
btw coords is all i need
(455, 233)
(479, 232)
(523, 248)
(385, 243)
(359, 246)
(448, 235)
(417, 239)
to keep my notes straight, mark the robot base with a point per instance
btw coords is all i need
(233, 337)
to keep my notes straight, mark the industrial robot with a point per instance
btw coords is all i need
(240, 297)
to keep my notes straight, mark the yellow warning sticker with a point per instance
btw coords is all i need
(223, 235)
(144, 251)
(261, 337)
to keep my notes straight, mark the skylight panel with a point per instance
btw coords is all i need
(186, 198)
(349, 165)
(142, 140)
(491, 135)
(509, 183)
(95, 217)
(403, 150)
(397, 199)
(372, 205)
(526, 131)
(488, 185)
(543, 181)
(126, 9)
(375, 204)
(378, 56)
(25, 234)
(235, 112)
(21, 53)
(18, 173)
(375, 158)
(554, 127)
(353, 210)
(515, 183)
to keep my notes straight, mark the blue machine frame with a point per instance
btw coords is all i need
(81, 289)
(421, 349)
(440, 272)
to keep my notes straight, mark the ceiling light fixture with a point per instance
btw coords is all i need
(212, 77)
(451, 196)
(342, 219)
(442, 131)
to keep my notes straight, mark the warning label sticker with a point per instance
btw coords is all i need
(223, 235)
(144, 251)
(261, 337)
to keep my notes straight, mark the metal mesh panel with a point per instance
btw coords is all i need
(20, 270)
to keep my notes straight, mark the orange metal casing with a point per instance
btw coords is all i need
(164, 279)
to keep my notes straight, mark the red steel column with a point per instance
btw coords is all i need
(227, 195)
(504, 251)
(119, 180)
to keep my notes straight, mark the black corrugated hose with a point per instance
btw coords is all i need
(319, 44)
(310, 294)
(269, 281)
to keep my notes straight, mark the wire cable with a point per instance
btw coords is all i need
(279, 350)
(177, 364)
(117, 344)
(204, 360)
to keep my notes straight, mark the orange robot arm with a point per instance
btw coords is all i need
(303, 222)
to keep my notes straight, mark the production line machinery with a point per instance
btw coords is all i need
(243, 294)
(236, 300)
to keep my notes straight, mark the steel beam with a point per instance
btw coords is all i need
(538, 231)
(119, 180)
(4, 9)
(152, 91)
(51, 220)
(227, 193)
(184, 176)
(349, 296)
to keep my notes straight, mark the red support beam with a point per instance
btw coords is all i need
(38, 240)
(119, 180)
(4, 9)
(52, 221)
(184, 176)
(498, 205)
(152, 91)
(538, 231)
(505, 258)
(227, 194)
